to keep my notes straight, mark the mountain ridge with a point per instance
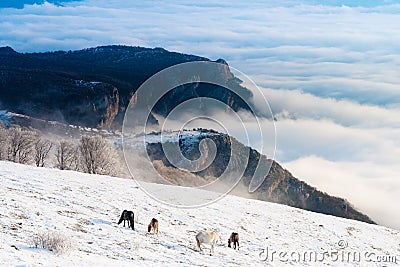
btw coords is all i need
(92, 87)
(279, 185)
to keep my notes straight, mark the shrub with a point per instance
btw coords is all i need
(53, 241)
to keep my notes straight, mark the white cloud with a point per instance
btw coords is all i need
(373, 188)
(298, 105)
(298, 138)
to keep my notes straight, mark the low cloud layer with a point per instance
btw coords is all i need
(294, 104)
(371, 187)
(329, 71)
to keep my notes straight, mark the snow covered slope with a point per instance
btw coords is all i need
(86, 208)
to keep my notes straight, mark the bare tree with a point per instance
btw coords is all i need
(20, 144)
(66, 155)
(42, 149)
(3, 143)
(98, 156)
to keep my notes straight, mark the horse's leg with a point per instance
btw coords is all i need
(124, 222)
(198, 244)
(212, 248)
(238, 244)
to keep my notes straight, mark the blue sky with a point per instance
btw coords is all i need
(330, 70)
(351, 3)
(21, 3)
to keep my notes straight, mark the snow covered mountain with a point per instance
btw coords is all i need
(279, 185)
(86, 208)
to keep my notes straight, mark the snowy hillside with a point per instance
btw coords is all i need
(86, 208)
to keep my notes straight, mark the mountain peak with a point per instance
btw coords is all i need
(6, 50)
(222, 61)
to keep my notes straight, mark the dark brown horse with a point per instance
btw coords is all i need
(127, 215)
(153, 226)
(234, 238)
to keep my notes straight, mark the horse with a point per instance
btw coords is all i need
(234, 238)
(153, 226)
(207, 238)
(128, 215)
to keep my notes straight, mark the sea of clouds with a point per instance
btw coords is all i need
(329, 69)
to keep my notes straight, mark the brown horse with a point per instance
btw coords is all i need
(234, 238)
(127, 215)
(153, 226)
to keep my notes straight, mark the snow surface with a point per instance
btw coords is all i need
(175, 136)
(86, 208)
(187, 136)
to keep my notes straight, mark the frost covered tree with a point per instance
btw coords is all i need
(20, 144)
(67, 155)
(98, 156)
(3, 142)
(42, 150)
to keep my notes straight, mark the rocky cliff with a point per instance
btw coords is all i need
(92, 87)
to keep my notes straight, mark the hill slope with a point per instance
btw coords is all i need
(86, 208)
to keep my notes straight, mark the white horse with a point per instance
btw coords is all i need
(207, 238)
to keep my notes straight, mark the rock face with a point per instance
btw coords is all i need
(279, 186)
(92, 87)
